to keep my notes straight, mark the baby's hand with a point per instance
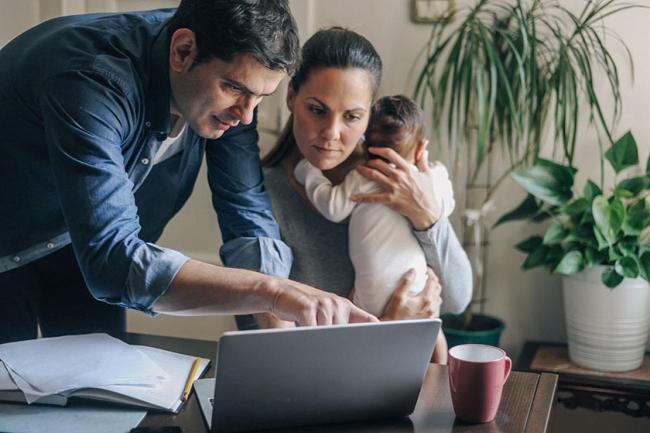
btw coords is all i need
(300, 172)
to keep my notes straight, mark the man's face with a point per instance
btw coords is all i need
(214, 96)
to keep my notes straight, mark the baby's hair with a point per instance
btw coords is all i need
(396, 122)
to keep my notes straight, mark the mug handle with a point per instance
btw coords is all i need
(508, 365)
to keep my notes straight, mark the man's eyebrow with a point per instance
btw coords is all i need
(243, 87)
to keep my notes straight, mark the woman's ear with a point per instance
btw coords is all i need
(182, 50)
(291, 97)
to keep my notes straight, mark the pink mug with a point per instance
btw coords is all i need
(477, 373)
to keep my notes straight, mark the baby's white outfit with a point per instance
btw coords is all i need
(382, 246)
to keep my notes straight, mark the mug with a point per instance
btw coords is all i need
(477, 373)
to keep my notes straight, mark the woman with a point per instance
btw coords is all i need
(330, 98)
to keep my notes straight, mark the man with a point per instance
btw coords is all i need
(106, 118)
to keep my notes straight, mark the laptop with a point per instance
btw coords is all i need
(280, 378)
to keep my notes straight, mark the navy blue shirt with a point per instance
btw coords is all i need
(84, 106)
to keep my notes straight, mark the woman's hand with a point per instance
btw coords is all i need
(406, 191)
(404, 305)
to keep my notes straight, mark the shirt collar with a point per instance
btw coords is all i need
(158, 93)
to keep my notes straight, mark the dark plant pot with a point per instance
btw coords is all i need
(483, 329)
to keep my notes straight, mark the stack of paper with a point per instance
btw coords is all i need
(93, 366)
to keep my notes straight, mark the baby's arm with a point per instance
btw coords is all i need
(333, 202)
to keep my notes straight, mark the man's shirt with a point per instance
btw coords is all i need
(84, 108)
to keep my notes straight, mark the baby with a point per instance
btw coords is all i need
(381, 245)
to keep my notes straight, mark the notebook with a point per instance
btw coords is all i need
(163, 394)
(279, 378)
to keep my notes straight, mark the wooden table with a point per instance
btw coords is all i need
(596, 391)
(526, 405)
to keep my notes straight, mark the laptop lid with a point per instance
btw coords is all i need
(274, 378)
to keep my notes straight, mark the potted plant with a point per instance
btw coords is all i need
(600, 242)
(496, 76)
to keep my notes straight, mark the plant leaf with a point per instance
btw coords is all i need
(627, 267)
(644, 266)
(571, 263)
(600, 210)
(547, 181)
(530, 244)
(526, 209)
(636, 219)
(611, 278)
(623, 153)
(634, 185)
(600, 238)
(591, 191)
(576, 207)
(536, 258)
(555, 234)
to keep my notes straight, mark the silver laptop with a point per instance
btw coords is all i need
(278, 378)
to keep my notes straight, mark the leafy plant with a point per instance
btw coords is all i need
(499, 70)
(591, 228)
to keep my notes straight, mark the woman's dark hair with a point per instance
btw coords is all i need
(224, 28)
(335, 47)
(396, 122)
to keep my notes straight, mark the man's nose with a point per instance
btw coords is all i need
(245, 108)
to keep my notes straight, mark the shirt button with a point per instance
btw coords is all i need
(50, 245)
(145, 161)
(16, 259)
(147, 124)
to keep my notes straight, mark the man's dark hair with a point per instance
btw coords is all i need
(225, 28)
(396, 122)
(337, 47)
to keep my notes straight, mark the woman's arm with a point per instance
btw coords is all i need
(412, 194)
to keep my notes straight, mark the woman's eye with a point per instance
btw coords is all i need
(353, 117)
(316, 110)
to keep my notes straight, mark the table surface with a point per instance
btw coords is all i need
(597, 381)
(526, 404)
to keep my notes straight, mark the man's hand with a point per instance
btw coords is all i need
(307, 306)
(404, 305)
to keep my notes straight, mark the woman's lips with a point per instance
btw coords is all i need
(326, 151)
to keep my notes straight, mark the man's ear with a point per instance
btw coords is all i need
(182, 50)
(291, 97)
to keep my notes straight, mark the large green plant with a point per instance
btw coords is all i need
(499, 71)
(592, 228)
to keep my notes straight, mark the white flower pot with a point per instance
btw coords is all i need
(607, 328)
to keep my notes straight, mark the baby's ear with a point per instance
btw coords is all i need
(420, 148)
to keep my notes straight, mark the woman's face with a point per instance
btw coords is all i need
(330, 114)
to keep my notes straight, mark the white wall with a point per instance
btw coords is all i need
(529, 302)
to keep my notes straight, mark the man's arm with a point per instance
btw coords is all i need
(200, 289)
(87, 115)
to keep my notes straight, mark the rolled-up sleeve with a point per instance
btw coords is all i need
(250, 233)
(87, 116)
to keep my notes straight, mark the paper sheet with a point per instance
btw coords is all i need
(20, 418)
(55, 365)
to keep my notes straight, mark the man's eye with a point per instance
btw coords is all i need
(233, 88)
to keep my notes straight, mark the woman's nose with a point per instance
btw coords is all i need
(331, 129)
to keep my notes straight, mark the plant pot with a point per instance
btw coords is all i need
(483, 329)
(607, 328)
